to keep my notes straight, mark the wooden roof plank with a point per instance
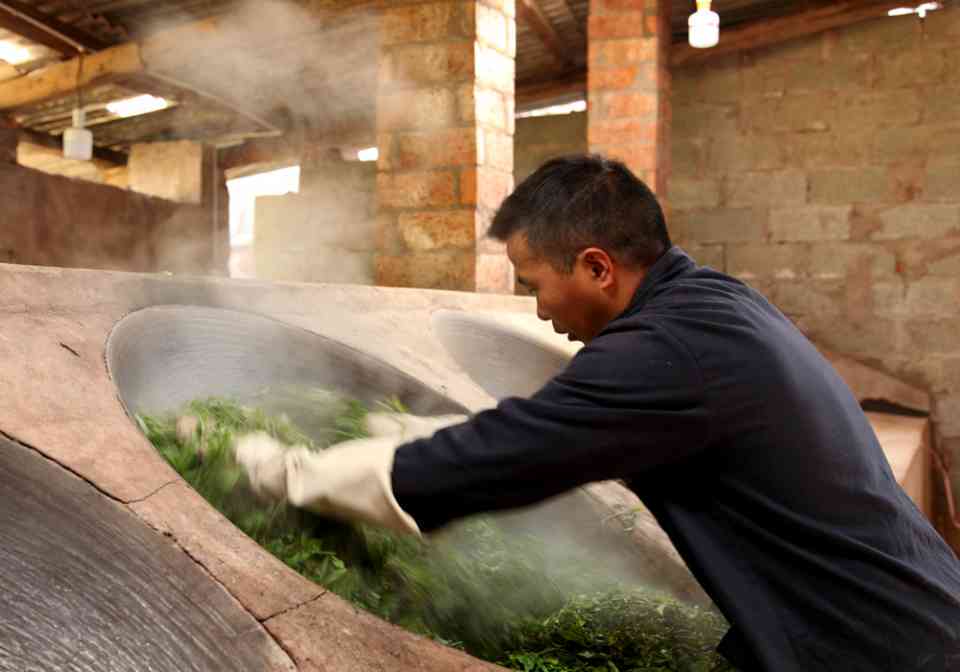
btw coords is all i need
(22, 18)
(536, 19)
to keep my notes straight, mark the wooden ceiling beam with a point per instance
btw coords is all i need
(540, 23)
(64, 78)
(769, 32)
(18, 26)
(529, 94)
(24, 20)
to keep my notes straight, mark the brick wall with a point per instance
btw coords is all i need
(445, 126)
(628, 85)
(49, 220)
(826, 172)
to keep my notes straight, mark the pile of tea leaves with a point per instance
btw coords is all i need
(473, 586)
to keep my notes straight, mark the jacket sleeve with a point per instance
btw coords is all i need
(627, 402)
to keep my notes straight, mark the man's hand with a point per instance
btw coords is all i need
(263, 458)
(350, 481)
(408, 427)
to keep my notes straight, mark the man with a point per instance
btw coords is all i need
(738, 436)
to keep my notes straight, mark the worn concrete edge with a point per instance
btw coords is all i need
(460, 661)
(126, 280)
(164, 538)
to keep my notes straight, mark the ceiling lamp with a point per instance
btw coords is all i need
(919, 10)
(704, 26)
(77, 140)
(131, 107)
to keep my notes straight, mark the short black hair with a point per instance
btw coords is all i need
(574, 202)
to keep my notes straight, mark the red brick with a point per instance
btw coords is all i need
(631, 105)
(432, 230)
(494, 274)
(613, 78)
(624, 24)
(637, 157)
(468, 186)
(385, 151)
(387, 234)
(493, 186)
(494, 69)
(416, 109)
(485, 244)
(465, 19)
(465, 102)
(419, 64)
(416, 23)
(652, 25)
(416, 190)
(621, 131)
(492, 28)
(489, 108)
(907, 179)
(447, 147)
(617, 6)
(438, 269)
(508, 7)
(619, 53)
(498, 150)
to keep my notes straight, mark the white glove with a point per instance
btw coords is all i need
(263, 458)
(350, 481)
(408, 427)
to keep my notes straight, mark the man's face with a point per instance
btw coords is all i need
(573, 302)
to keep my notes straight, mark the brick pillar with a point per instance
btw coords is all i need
(628, 85)
(445, 105)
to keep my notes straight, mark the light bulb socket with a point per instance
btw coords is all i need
(704, 29)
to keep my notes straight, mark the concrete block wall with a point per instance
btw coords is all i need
(826, 172)
(541, 138)
(326, 233)
(171, 170)
(50, 220)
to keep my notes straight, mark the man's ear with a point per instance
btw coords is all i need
(598, 264)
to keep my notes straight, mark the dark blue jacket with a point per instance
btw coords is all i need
(754, 457)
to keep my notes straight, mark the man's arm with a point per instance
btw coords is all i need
(628, 402)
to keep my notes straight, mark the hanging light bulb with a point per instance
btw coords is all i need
(77, 140)
(704, 26)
